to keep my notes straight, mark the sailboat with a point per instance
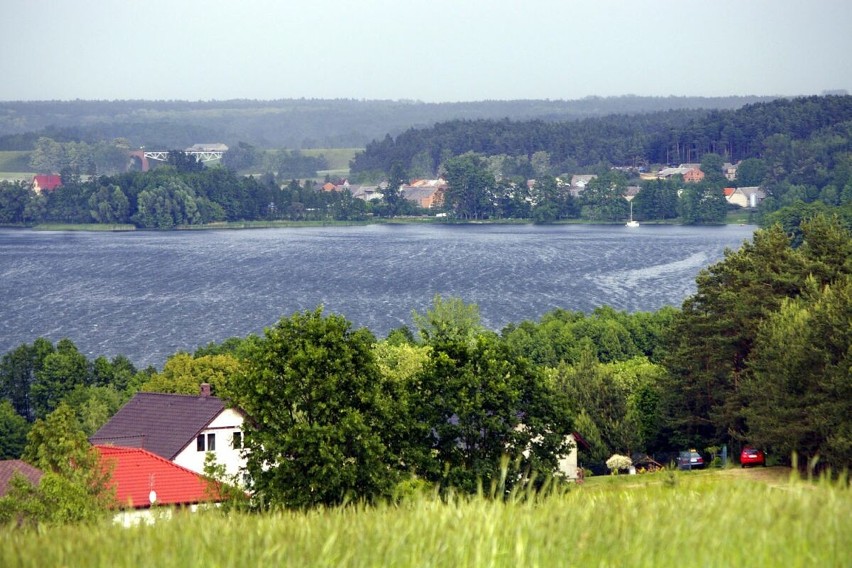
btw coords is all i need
(631, 223)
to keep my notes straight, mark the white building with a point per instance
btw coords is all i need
(180, 428)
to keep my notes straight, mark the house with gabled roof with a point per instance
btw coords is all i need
(426, 193)
(143, 480)
(693, 175)
(46, 182)
(579, 183)
(744, 196)
(8, 469)
(180, 428)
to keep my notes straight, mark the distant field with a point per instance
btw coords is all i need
(338, 158)
(15, 165)
(756, 517)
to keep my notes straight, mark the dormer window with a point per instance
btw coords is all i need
(210, 445)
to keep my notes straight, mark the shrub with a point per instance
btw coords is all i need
(617, 462)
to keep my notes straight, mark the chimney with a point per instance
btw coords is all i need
(205, 389)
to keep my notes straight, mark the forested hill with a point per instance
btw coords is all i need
(294, 123)
(667, 137)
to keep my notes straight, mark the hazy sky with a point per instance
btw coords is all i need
(428, 50)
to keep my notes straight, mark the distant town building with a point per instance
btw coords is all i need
(46, 182)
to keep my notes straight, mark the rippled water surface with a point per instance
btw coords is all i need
(150, 294)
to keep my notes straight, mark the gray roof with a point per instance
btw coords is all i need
(418, 193)
(161, 423)
(8, 469)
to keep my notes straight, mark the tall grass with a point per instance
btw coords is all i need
(676, 519)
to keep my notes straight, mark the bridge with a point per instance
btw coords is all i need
(201, 152)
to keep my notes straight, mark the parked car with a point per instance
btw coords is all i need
(690, 460)
(752, 456)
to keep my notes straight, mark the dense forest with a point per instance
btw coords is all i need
(670, 137)
(758, 355)
(293, 123)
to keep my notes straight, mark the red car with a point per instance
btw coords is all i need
(752, 456)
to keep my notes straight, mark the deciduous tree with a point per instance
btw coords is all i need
(321, 415)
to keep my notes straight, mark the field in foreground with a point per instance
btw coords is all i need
(753, 518)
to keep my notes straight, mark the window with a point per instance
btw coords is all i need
(210, 444)
(238, 440)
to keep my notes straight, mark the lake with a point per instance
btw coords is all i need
(148, 295)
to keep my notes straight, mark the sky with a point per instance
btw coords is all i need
(425, 50)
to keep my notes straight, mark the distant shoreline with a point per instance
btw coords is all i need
(241, 225)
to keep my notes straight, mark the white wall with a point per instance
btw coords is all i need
(223, 426)
(568, 463)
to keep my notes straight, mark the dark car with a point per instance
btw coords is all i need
(752, 456)
(690, 460)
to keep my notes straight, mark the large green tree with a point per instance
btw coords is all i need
(476, 402)
(603, 198)
(13, 432)
(18, 371)
(712, 338)
(798, 386)
(61, 372)
(75, 487)
(321, 416)
(470, 187)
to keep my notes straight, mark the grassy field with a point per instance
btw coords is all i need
(338, 158)
(15, 163)
(758, 517)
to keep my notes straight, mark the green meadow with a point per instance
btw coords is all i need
(759, 517)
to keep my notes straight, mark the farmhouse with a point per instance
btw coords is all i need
(744, 196)
(46, 182)
(182, 429)
(426, 193)
(143, 480)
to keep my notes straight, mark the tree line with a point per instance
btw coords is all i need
(293, 123)
(186, 193)
(759, 355)
(182, 194)
(668, 137)
(798, 151)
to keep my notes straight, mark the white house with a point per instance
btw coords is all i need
(180, 428)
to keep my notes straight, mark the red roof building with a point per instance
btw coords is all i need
(46, 182)
(142, 479)
(693, 175)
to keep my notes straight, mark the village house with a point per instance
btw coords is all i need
(366, 192)
(180, 428)
(744, 196)
(579, 183)
(426, 193)
(691, 173)
(148, 486)
(8, 469)
(46, 182)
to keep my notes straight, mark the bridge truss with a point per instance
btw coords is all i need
(200, 155)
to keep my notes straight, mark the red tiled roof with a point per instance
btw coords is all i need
(8, 469)
(161, 423)
(47, 181)
(136, 473)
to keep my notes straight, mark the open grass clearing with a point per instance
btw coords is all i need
(14, 162)
(703, 518)
(338, 158)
